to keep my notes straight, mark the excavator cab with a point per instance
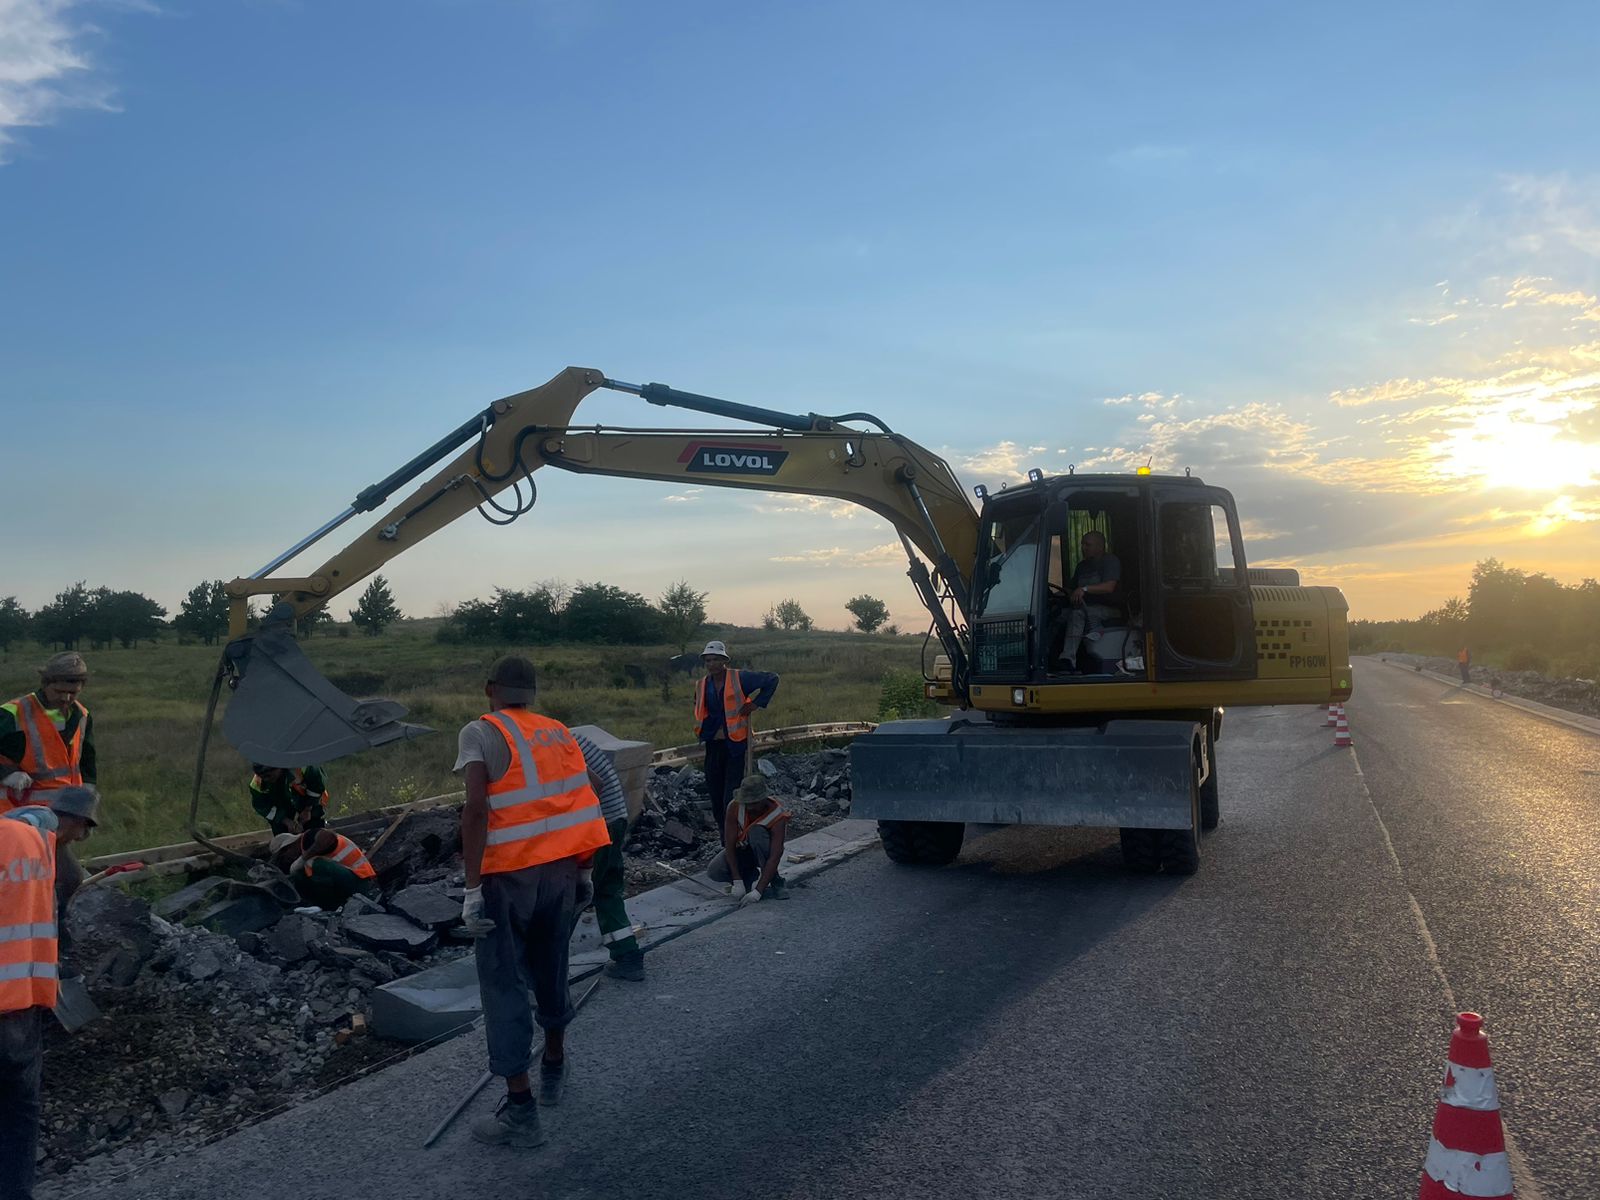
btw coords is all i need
(1180, 608)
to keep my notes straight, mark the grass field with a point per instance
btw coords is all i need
(148, 703)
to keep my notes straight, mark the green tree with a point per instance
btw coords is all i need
(684, 610)
(376, 610)
(532, 616)
(471, 621)
(317, 618)
(65, 620)
(599, 612)
(788, 614)
(125, 617)
(204, 612)
(14, 622)
(869, 612)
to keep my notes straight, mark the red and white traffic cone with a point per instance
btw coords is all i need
(1467, 1156)
(1341, 729)
(1333, 714)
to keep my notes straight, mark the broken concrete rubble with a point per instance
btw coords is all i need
(428, 907)
(386, 931)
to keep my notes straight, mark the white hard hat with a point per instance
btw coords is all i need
(716, 648)
(283, 841)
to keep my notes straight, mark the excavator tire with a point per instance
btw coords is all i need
(1179, 849)
(922, 843)
(1140, 850)
(1210, 793)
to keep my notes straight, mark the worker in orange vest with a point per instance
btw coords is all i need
(45, 738)
(529, 830)
(27, 985)
(331, 869)
(752, 844)
(1464, 662)
(723, 702)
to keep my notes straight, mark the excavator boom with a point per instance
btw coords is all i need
(284, 712)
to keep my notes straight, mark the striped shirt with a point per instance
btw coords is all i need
(482, 742)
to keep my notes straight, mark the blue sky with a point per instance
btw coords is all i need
(255, 253)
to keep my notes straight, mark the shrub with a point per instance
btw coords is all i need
(901, 696)
(1526, 658)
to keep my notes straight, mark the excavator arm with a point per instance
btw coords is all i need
(284, 712)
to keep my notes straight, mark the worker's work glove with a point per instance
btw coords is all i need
(472, 918)
(17, 781)
(750, 897)
(736, 889)
(585, 888)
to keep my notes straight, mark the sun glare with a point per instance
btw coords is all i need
(1504, 451)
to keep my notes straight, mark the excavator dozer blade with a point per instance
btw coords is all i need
(285, 713)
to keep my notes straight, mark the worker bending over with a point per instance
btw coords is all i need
(752, 844)
(45, 736)
(723, 702)
(289, 800)
(76, 810)
(529, 829)
(331, 869)
(27, 986)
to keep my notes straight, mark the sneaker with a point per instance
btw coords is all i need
(777, 890)
(551, 1082)
(629, 967)
(512, 1125)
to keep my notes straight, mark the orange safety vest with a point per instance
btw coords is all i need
(776, 813)
(542, 809)
(1462, 656)
(27, 917)
(52, 762)
(347, 854)
(733, 699)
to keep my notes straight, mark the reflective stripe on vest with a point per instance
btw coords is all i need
(347, 854)
(777, 813)
(27, 917)
(542, 809)
(733, 698)
(50, 760)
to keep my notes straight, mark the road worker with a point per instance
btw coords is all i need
(752, 845)
(529, 830)
(27, 986)
(723, 702)
(76, 809)
(289, 799)
(1464, 665)
(610, 878)
(331, 869)
(45, 737)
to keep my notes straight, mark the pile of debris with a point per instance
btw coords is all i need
(676, 826)
(1574, 695)
(220, 1003)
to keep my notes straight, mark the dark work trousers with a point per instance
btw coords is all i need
(724, 773)
(610, 888)
(752, 859)
(1466, 672)
(21, 1061)
(532, 911)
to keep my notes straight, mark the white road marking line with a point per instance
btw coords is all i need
(1527, 1186)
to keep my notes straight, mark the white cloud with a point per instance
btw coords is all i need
(827, 506)
(44, 68)
(1002, 459)
(683, 497)
(838, 556)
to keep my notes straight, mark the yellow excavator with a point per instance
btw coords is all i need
(1116, 729)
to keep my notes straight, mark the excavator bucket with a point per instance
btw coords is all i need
(285, 713)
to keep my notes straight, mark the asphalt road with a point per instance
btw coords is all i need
(1034, 1022)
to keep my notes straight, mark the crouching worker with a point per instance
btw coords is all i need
(752, 840)
(529, 830)
(331, 869)
(289, 800)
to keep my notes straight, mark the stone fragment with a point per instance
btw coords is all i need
(249, 912)
(197, 896)
(203, 965)
(290, 939)
(677, 831)
(360, 906)
(767, 767)
(428, 907)
(389, 932)
(174, 1102)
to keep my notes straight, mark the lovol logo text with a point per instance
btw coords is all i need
(736, 460)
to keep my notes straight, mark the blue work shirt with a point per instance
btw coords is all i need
(757, 685)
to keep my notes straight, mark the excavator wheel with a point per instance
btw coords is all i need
(922, 843)
(1180, 848)
(1210, 793)
(1140, 851)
